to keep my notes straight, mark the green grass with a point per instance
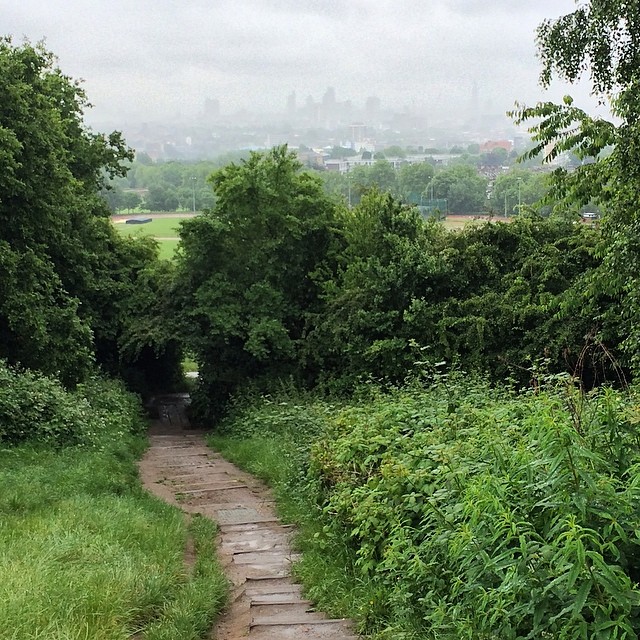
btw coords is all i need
(189, 364)
(167, 248)
(190, 614)
(459, 223)
(165, 227)
(85, 554)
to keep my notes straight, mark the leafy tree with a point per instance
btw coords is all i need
(336, 185)
(462, 187)
(247, 283)
(51, 169)
(143, 158)
(519, 186)
(395, 151)
(380, 175)
(161, 198)
(66, 277)
(343, 152)
(600, 39)
(495, 158)
(413, 180)
(507, 287)
(383, 175)
(130, 200)
(389, 259)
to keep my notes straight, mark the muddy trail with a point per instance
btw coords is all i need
(253, 545)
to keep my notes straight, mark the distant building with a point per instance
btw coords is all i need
(373, 108)
(291, 104)
(311, 159)
(490, 145)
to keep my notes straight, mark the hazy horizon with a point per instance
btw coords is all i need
(157, 59)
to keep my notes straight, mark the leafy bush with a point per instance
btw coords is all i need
(37, 408)
(481, 515)
(459, 511)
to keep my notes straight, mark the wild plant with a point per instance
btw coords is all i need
(481, 514)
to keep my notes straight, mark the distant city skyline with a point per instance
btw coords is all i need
(153, 60)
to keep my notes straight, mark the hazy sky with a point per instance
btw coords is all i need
(148, 59)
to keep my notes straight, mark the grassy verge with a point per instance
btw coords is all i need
(190, 615)
(85, 553)
(165, 227)
(164, 230)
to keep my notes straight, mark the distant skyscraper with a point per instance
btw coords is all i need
(329, 98)
(291, 104)
(372, 109)
(358, 131)
(311, 109)
(328, 108)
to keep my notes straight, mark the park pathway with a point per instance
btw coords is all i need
(253, 545)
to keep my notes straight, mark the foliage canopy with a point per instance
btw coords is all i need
(67, 280)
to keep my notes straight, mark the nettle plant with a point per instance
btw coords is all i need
(482, 514)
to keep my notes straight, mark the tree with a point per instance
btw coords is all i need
(383, 175)
(389, 258)
(161, 198)
(336, 185)
(248, 274)
(495, 158)
(66, 277)
(342, 152)
(518, 187)
(395, 151)
(601, 39)
(380, 175)
(413, 180)
(130, 200)
(51, 170)
(462, 187)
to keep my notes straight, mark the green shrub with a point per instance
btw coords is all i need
(480, 515)
(461, 510)
(37, 408)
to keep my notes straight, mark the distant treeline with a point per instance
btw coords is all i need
(458, 187)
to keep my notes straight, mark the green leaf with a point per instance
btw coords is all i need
(581, 598)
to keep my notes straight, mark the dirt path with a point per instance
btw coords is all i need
(253, 545)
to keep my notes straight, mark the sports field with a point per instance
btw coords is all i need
(163, 228)
(455, 222)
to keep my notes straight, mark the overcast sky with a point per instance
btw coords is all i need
(149, 59)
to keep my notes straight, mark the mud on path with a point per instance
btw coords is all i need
(253, 546)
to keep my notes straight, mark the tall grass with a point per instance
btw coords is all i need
(85, 553)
